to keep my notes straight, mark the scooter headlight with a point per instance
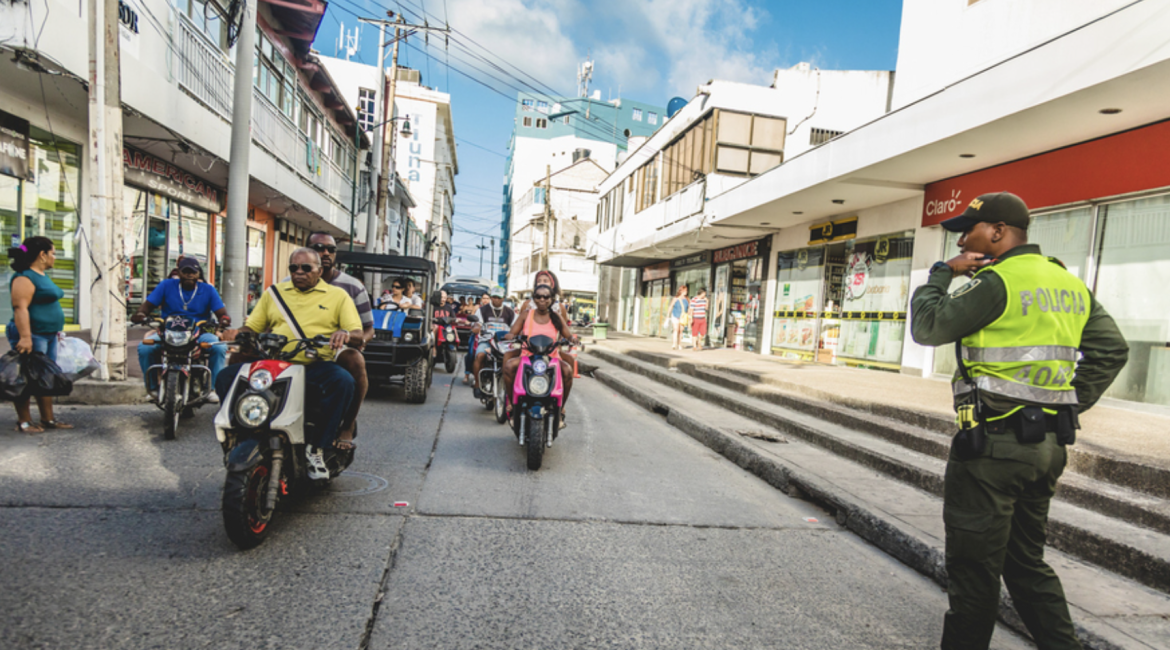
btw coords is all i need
(540, 366)
(178, 338)
(252, 411)
(538, 385)
(408, 337)
(260, 380)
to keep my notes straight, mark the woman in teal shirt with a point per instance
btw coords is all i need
(37, 318)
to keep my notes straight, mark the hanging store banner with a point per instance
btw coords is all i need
(823, 233)
(14, 146)
(737, 252)
(691, 260)
(659, 271)
(149, 172)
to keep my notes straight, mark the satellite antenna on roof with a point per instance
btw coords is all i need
(584, 76)
(347, 41)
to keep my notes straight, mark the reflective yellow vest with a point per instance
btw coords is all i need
(1030, 352)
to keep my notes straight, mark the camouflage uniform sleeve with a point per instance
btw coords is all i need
(938, 318)
(1104, 353)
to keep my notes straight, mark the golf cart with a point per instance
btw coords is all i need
(401, 351)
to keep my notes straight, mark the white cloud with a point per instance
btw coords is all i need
(648, 49)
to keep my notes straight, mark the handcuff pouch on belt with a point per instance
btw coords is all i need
(972, 437)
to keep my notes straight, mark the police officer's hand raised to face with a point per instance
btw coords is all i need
(968, 263)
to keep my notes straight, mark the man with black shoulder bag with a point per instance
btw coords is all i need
(1034, 350)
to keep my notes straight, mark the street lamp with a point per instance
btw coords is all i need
(357, 131)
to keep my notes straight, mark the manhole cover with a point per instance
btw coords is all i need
(356, 484)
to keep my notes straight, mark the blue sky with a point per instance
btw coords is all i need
(645, 50)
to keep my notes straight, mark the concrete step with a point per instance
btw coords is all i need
(1110, 611)
(1127, 472)
(1107, 538)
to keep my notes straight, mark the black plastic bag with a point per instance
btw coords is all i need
(12, 381)
(45, 378)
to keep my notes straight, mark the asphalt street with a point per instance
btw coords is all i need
(632, 535)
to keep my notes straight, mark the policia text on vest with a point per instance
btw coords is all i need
(1034, 349)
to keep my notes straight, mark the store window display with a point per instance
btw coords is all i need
(45, 205)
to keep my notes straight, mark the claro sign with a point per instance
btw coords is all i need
(1118, 164)
(151, 173)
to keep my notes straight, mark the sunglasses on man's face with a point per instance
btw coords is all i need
(303, 268)
(324, 248)
(398, 286)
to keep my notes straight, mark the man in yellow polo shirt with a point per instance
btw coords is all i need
(317, 308)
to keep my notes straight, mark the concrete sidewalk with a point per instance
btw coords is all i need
(1118, 432)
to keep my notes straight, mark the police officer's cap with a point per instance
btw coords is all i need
(996, 207)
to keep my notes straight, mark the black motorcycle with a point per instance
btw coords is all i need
(262, 427)
(492, 393)
(184, 380)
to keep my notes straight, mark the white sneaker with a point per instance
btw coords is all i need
(317, 469)
(213, 398)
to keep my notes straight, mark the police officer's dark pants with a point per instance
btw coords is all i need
(996, 514)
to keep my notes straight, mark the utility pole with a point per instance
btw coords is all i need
(492, 260)
(106, 229)
(387, 134)
(547, 211)
(235, 227)
(481, 248)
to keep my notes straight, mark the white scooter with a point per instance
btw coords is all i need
(262, 428)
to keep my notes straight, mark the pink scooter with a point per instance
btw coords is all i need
(537, 396)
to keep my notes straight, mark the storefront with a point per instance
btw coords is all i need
(40, 183)
(1109, 224)
(629, 300)
(656, 297)
(260, 224)
(843, 300)
(736, 295)
(169, 212)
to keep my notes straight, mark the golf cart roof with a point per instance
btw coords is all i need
(465, 289)
(375, 261)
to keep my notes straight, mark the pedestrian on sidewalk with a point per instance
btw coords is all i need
(680, 311)
(1019, 327)
(699, 319)
(37, 319)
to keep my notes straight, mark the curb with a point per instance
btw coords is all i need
(924, 558)
(91, 392)
(1066, 534)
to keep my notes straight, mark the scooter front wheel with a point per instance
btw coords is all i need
(501, 406)
(534, 441)
(244, 516)
(172, 406)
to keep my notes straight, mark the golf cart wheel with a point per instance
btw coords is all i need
(417, 379)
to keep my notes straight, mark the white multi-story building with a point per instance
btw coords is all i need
(1063, 103)
(176, 83)
(574, 141)
(424, 160)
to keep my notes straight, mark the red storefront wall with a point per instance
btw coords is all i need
(1127, 162)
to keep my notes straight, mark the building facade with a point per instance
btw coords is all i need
(1066, 107)
(423, 159)
(176, 82)
(551, 134)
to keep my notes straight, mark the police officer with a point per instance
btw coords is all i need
(1020, 326)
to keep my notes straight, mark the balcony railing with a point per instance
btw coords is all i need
(204, 70)
(205, 73)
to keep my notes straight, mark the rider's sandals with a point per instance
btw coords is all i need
(28, 427)
(55, 424)
(344, 445)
